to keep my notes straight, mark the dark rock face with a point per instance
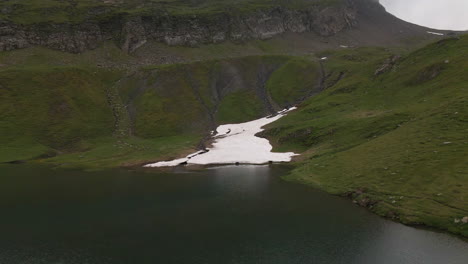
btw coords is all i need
(11, 37)
(65, 37)
(131, 33)
(388, 65)
(331, 20)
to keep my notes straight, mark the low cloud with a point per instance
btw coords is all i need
(438, 14)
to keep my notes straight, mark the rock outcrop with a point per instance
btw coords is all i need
(387, 65)
(131, 32)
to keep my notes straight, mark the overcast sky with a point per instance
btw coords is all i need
(439, 14)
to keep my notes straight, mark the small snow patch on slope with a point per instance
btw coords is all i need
(236, 144)
(435, 33)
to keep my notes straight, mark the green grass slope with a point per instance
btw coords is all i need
(62, 116)
(75, 11)
(50, 108)
(293, 80)
(396, 143)
(62, 109)
(195, 97)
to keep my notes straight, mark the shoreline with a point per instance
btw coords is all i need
(292, 165)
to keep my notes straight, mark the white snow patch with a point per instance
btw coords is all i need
(435, 33)
(324, 58)
(171, 163)
(236, 144)
(175, 162)
(344, 46)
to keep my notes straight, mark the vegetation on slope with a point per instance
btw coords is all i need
(64, 113)
(62, 109)
(44, 108)
(298, 76)
(75, 11)
(198, 96)
(395, 143)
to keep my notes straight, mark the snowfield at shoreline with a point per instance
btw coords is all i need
(236, 144)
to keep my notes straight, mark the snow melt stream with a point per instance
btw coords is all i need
(236, 144)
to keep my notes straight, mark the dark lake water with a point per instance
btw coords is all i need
(222, 215)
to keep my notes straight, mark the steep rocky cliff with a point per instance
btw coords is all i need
(188, 29)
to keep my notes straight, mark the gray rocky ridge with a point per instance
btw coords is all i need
(131, 32)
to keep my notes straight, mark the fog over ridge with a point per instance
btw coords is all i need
(438, 14)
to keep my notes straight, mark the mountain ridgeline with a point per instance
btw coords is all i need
(79, 25)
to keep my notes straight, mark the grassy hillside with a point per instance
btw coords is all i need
(198, 96)
(45, 108)
(62, 109)
(396, 143)
(75, 11)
